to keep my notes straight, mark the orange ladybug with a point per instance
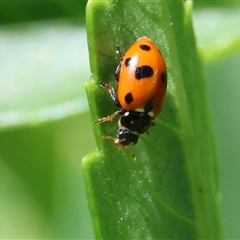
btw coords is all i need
(141, 90)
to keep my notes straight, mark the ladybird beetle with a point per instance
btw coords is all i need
(142, 84)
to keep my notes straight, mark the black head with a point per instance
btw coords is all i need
(135, 122)
(131, 125)
(124, 138)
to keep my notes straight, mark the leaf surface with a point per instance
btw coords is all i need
(165, 187)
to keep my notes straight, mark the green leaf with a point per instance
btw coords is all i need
(217, 31)
(22, 11)
(165, 187)
(41, 72)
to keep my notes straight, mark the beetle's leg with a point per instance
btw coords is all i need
(111, 92)
(116, 141)
(110, 117)
(117, 71)
(118, 52)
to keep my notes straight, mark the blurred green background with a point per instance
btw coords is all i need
(46, 126)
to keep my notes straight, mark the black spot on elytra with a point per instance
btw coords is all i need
(164, 78)
(145, 47)
(149, 106)
(128, 98)
(143, 72)
(127, 62)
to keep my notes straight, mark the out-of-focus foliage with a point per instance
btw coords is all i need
(44, 127)
(34, 10)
